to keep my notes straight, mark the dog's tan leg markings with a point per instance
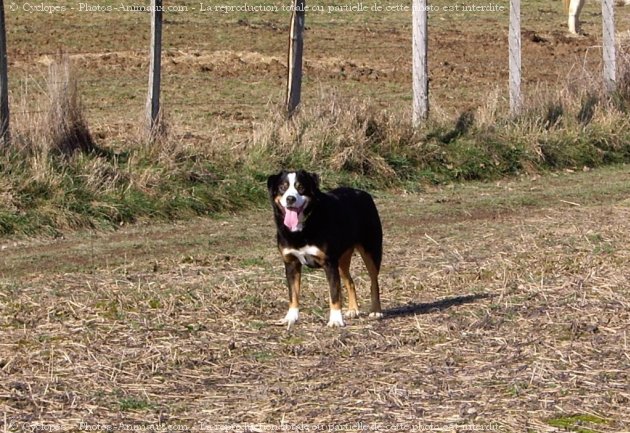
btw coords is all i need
(293, 270)
(373, 270)
(346, 279)
(334, 283)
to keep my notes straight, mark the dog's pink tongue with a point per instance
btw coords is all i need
(291, 219)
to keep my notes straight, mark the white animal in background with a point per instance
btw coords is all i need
(574, 7)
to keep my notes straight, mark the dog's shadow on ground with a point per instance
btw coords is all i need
(436, 306)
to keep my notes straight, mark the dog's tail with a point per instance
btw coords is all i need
(374, 244)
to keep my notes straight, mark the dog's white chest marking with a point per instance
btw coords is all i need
(305, 254)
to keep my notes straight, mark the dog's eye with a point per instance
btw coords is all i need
(299, 188)
(283, 187)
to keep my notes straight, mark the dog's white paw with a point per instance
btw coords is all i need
(336, 319)
(376, 315)
(289, 320)
(351, 314)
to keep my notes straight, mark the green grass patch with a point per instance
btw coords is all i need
(254, 262)
(579, 423)
(257, 325)
(262, 356)
(128, 404)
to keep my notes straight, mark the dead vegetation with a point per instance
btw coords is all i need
(58, 126)
(507, 308)
(69, 132)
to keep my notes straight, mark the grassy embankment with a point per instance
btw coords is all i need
(55, 176)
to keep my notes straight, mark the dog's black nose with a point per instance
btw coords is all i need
(291, 200)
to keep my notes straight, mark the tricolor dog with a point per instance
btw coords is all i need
(322, 230)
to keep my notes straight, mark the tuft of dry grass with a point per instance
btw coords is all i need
(344, 135)
(67, 128)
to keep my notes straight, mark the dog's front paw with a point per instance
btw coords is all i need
(336, 319)
(289, 320)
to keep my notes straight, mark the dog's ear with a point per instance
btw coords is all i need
(272, 181)
(315, 178)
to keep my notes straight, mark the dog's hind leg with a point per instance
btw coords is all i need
(372, 263)
(346, 279)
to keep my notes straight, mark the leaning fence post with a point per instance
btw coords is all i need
(4, 80)
(608, 51)
(155, 63)
(516, 101)
(420, 68)
(296, 47)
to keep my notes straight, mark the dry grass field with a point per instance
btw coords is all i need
(507, 309)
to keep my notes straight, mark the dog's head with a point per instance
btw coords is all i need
(292, 194)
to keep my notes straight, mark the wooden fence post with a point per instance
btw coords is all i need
(4, 80)
(296, 47)
(608, 51)
(420, 66)
(516, 101)
(155, 64)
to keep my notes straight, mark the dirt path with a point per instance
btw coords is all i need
(507, 309)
